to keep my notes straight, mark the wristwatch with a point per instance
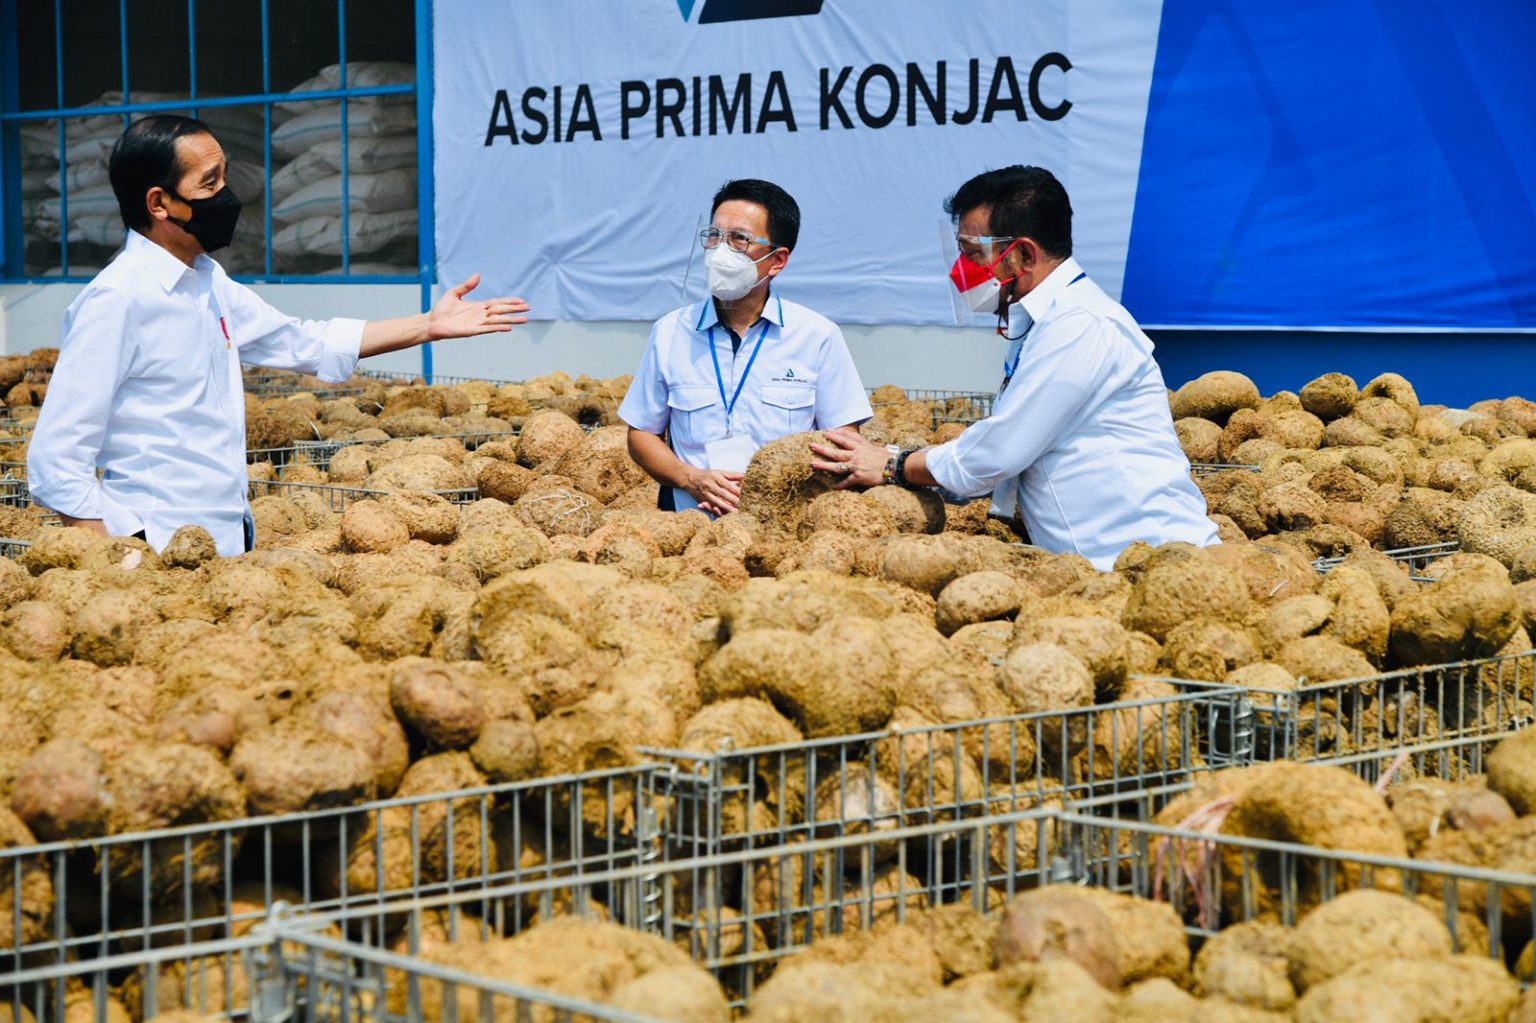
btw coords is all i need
(889, 475)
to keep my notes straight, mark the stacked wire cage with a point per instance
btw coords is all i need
(135, 912)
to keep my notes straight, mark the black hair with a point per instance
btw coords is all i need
(144, 157)
(1025, 202)
(783, 211)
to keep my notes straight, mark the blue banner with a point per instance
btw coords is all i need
(1338, 163)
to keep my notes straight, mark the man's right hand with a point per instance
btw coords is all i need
(94, 525)
(717, 491)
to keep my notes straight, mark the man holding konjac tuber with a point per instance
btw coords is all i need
(722, 377)
(147, 387)
(1080, 440)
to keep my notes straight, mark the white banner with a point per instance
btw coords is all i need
(578, 142)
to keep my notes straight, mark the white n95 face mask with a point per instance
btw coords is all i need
(731, 274)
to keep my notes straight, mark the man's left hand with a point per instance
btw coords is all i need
(453, 317)
(848, 454)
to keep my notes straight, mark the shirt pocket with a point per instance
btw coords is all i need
(695, 415)
(789, 408)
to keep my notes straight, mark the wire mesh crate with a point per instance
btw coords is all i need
(1416, 559)
(1325, 721)
(780, 900)
(338, 498)
(10, 548)
(76, 900)
(964, 407)
(1215, 880)
(14, 492)
(1199, 469)
(775, 795)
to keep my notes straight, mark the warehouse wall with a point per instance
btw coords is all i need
(1452, 369)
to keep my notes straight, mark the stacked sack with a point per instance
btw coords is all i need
(76, 201)
(380, 233)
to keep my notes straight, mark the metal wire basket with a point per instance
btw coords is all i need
(779, 899)
(177, 886)
(1416, 559)
(774, 795)
(963, 407)
(319, 453)
(1199, 469)
(338, 498)
(1215, 880)
(356, 963)
(1415, 707)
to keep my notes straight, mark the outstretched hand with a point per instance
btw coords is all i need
(453, 316)
(859, 461)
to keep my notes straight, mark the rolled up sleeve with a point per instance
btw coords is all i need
(1056, 374)
(267, 337)
(66, 444)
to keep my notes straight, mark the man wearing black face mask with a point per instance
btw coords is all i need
(147, 387)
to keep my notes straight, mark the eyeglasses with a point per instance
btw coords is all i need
(983, 247)
(739, 240)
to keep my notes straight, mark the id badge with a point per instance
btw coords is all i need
(731, 454)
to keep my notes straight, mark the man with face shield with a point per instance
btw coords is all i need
(148, 388)
(1080, 442)
(724, 376)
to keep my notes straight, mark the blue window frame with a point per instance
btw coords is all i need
(180, 56)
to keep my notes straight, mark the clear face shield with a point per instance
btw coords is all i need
(974, 290)
(693, 266)
(724, 261)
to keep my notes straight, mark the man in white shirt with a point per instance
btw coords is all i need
(147, 387)
(1080, 440)
(725, 376)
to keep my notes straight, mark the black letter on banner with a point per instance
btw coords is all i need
(889, 77)
(629, 111)
(580, 123)
(698, 107)
(535, 115)
(559, 113)
(917, 83)
(499, 106)
(670, 110)
(1003, 73)
(831, 101)
(1046, 113)
(968, 115)
(784, 112)
(741, 102)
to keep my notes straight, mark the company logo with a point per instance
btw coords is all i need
(789, 374)
(711, 12)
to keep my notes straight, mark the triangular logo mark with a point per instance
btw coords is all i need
(686, 6)
(789, 375)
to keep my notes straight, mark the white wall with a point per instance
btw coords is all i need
(926, 357)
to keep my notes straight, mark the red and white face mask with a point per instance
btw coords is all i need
(977, 284)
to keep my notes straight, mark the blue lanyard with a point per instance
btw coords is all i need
(730, 403)
(1008, 369)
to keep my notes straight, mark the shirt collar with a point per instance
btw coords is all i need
(709, 316)
(165, 268)
(1039, 301)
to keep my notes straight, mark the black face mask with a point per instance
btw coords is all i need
(213, 219)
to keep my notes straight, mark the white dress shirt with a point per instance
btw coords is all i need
(148, 390)
(801, 379)
(1080, 439)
